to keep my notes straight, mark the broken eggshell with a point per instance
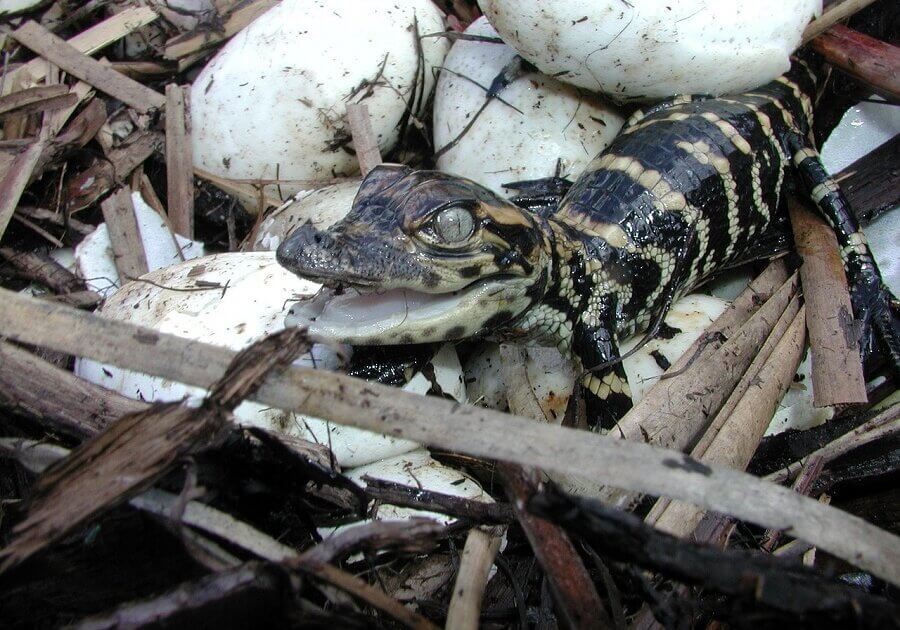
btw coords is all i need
(322, 208)
(417, 469)
(552, 376)
(232, 300)
(651, 49)
(536, 121)
(272, 103)
(94, 255)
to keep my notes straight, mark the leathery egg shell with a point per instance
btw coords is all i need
(538, 121)
(419, 469)
(232, 300)
(272, 103)
(651, 49)
(322, 207)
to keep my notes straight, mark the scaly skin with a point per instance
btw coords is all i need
(691, 186)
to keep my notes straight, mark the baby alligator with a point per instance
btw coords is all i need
(691, 186)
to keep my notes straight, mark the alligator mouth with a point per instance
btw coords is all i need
(361, 315)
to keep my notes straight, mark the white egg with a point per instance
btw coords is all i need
(650, 49)
(540, 122)
(272, 103)
(323, 208)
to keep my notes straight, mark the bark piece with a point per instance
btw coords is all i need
(179, 161)
(124, 235)
(364, 142)
(137, 450)
(837, 373)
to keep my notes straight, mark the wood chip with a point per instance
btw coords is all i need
(179, 160)
(364, 141)
(16, 177)
(837, 373)
(37, 99)
(476, 432)
(124, 235)
(56, 50)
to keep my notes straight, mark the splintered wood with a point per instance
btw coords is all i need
(833, 338)
(138, 449)
(124, 235)
(32, 35)
(179, 160)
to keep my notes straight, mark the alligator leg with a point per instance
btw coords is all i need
(541, 196)
(873, 303)
(607, 395)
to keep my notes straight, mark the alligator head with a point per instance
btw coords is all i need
(422, 256)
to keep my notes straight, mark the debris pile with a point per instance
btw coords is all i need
(175, 448)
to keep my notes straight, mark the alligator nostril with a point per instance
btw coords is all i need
(317, 239)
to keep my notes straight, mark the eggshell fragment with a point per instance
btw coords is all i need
(554, 121)
(651, 49)
(552, 376)
(232, 300)
(323, 208)
(94, 255)
(419, 469)
(272, 103)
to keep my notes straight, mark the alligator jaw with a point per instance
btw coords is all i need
(407, 316)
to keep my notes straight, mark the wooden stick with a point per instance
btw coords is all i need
(179, 160)
(464, 611)
(837, 12)
(837, 373)
(725, 413)
(676, 410)
(190, 43)
(461, 428)
(885, 424)
(364, 141)
(88, 42)
(61, 400)
(52, 48)
(576, 598)
(124, 235)
(36, 99)
(865, 58)
(736, 441)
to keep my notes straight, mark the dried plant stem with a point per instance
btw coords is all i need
(736, 440)
(884, 425)
(837, 12)
(464, 612)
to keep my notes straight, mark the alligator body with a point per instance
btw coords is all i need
(691, 186)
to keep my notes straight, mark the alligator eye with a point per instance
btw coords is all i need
(454, 224)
